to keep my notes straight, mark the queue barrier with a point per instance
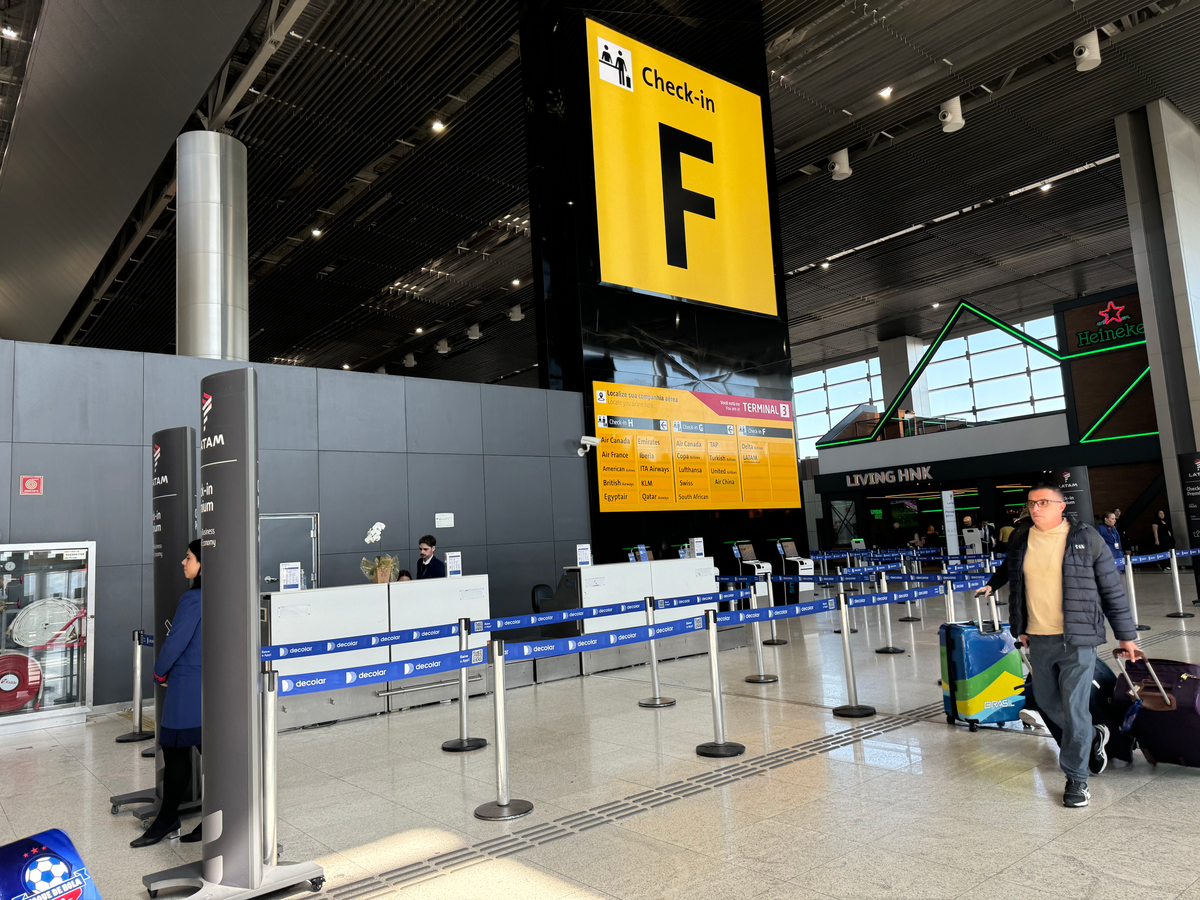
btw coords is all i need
(334, 679)
(904, 596)
(146, 640)
(357, 642)
(807, 579)
(869, 570)
(717, 597)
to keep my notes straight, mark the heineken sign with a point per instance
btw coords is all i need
(1113, 326)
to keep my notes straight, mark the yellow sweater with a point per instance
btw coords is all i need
(1043, 579)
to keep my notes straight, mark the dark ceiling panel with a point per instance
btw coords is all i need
(109, 85)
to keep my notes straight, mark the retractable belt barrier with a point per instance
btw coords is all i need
(146, 640)
(869, 570)
(408, 668)
(717, 597)
(358, 642)
(1163, 557)
(583, 643)
(773, 613)
(807, 579)
(892, 597)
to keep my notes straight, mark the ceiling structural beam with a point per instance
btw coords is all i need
(144, 227)
(276, 30)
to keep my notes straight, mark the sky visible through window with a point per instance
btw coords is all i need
(979, 378)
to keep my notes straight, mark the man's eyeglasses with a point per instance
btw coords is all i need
(1042, 504)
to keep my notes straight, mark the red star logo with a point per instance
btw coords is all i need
(1112, 314)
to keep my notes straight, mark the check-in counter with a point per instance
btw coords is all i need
(625, 583)
(323, 614)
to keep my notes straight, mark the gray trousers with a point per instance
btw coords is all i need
(1062, 683)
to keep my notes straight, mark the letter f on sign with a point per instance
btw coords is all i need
(677, 199)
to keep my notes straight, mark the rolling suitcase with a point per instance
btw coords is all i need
(982, 679)
(1161, 699)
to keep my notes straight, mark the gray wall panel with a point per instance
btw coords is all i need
(287, 481)
(443, 417)
(564, 555)
(514, 421)
(171, 390)
(517, 494)
(356, 411)
(146, 623)
(91, 493)
(356, 491)
(74, 395)
(344, 568)
(6, 486)
(118, 612)
(7, 355)
(565, 422)
(287, 408)
(569, 482)
(513, 570)
(446, 483)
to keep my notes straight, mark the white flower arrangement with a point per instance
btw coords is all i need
(379, 571)
(375, 535)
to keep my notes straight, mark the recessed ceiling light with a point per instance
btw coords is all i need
(936, 305)
(824, 265)
(886, 92)
(438, 124)
(8, 32)
(316, 232)
(345, 365)
(516, 281)
(1046, 186)
(420, 331)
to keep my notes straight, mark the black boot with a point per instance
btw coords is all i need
(195, 835)
(153, 835)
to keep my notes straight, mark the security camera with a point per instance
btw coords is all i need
(951, 115)
(586, 443)
(1087, 51)
(839, 165)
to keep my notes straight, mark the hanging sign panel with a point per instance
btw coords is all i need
(665, 449)
(681, 178)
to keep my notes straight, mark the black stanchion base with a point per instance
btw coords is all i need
(1143, 627)
(133, 737)
(839, 631)
(1196, 603)
(909, 619)
(890, 650)
(762, 679)
(494, 812)
(464, 745)
(1178, 615)
(656, 702)
(713, 750)
(854, 712)
(774, 642)
(148, 753)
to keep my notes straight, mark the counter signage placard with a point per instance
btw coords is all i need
(1077, 491)
(1189, 475)
(666, 449)
(682, 206)
(950, 521)
(454, 564)
(290, 575)
(583, 554)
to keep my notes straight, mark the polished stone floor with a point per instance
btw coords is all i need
(896, 806)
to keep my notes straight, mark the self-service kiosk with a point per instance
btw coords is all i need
(762, 570)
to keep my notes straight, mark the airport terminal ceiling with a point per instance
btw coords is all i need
(388, 186)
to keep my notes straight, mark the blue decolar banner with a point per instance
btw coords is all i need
(44, 866)
(394, 671)
(358, 642)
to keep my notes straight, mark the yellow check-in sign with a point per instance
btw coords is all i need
(681, 178)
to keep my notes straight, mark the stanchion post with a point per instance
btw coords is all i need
(138, 733)
(760, 675)
(270, 771)
(888, 645)
(908, 607)
(656, 700)
(775, 640)
(463, 743)
(853, 709)
(503, 807)
(1179, 613)
(1131, 592)
(840, 590)
(718, 747)
(949, 586)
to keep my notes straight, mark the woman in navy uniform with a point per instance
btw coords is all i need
(178, 667)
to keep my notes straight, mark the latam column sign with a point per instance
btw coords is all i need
(667, 449)
(681, 178)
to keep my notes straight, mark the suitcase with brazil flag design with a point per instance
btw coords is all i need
(982, 679)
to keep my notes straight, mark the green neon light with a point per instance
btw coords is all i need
(1111, 409)
(1121, 437)
(962, 307)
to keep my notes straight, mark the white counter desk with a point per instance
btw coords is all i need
(325, 613)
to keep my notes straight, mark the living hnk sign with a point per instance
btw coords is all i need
(890, 476)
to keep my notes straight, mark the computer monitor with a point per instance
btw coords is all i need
(789, 549)
(747, 552)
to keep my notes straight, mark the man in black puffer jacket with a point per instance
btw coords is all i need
(1063, 584)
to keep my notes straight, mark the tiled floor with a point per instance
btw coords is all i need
(896, 806)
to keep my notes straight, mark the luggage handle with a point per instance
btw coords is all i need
(1134, 689)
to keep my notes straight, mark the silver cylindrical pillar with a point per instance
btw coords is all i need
(1131, 592)
(888, 644)
(463, 743)
(949, 585)
(503, 807)
(853, 709)
(270, 771)
(718, 747)
(1179, 613)
(656, 700)
(212, 286)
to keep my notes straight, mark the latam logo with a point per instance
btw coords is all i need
(205, 409)
(157, 454)
(215, 441)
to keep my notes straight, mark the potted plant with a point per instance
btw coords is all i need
(379, 570)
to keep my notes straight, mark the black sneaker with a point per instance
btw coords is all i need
(1076, 795)
(1098, 761)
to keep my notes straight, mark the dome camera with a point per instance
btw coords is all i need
(1087, 51)
(951, 115)
(839, 165)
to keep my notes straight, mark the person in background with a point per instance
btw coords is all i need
(1108, 531)
(989, 535)
(429, 566)
(404, 575)
(1063, 584)
(1006, 535)
(1164, 540)
(178, 667)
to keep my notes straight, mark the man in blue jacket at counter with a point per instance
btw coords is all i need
(429, 566)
